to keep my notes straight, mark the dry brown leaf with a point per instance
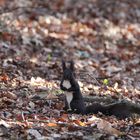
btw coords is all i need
(4, 123)
(107, 127)
(51, 96)
(52, 124)
(2, 2)
(137, 123)
(78, 122)
(92, 121)
(63, 118)
(4, 77)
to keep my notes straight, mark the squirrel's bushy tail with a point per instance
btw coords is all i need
(95, 108)
(121, 109)
(135, 108)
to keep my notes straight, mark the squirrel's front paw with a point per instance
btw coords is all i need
(69, 110)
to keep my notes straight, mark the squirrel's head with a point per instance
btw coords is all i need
(68, 71)
(68, 74)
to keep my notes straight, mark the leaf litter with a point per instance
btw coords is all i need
(104, 43)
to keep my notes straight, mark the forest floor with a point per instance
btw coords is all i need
(102, 37)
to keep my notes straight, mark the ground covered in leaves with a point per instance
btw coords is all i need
(103, 39)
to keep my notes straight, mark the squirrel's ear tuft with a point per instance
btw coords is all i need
(72, 65)
(63, 65)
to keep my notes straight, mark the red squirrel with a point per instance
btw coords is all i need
(74, 99)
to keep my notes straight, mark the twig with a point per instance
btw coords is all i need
(94, 79)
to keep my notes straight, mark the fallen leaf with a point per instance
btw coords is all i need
(107, 127)
(51, 96)
(4, 77)
(78, 122)
(52, 124)
(2, 122)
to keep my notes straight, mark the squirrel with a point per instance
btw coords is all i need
(74, 101)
